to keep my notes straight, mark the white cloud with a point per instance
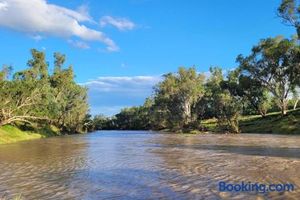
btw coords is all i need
(84, 11)
(120, 23)
(38, 17)
(108, 95)
(123, 83)
(3, 5)
(79, 44)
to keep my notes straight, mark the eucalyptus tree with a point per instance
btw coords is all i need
(289, 11)
(274, 63)
(255, 95)
(69, 105)
(176, 96)
(33, 95)
(212, 89)
(223, 100)
(25, 97)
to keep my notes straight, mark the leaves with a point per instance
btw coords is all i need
(35, 96)
(274, 64)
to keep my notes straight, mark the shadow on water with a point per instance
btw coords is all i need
(283, 152)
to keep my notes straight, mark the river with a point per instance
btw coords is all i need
(148, 165)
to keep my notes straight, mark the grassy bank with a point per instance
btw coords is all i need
(10, 134)
(272, 123)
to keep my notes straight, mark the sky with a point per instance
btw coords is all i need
(120, 49)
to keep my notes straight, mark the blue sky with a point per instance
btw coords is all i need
(119, 49)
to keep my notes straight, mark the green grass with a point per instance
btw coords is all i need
(210, 124)
(11, 134)
(272, 123)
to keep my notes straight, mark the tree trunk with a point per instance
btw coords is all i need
(283, 107)
(262, 113)
(283, 112)
(295, 105)
(24, 118)
(187, 113)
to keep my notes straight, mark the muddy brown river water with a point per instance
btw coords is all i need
(147, 165)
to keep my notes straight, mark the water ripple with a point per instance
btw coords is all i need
(138, 165)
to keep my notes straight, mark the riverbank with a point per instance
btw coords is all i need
(11, 134)
(273, 123)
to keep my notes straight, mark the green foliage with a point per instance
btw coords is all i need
(181, 100)
(223, 98)
(255, 95)
(100, 122)
(175, 99)
(35, 96)
(274, 63)
(289, 11)
(218, 97)
(134, 118)
(227, 112)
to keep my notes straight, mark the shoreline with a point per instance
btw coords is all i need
(12, 134)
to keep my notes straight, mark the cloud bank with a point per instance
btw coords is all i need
(39, 18)
(107, 95)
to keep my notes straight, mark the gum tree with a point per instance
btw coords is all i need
(274, 63)
(289, 11)
(176, 97)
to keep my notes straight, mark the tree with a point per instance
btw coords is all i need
(223, 100)
(38, 64)
(289, 11)
(34, 96)
(133, 118)
(21, 101)
(70, 100)
(274, 63)
(59, 60)
(100, 122)
(212, 89)
(255, 94)
(228, 111)
(176, 97)
(24, 98)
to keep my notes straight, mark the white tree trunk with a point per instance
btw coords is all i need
(296, 103)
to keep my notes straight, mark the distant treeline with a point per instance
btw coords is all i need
(266, 80)
(34, 96)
